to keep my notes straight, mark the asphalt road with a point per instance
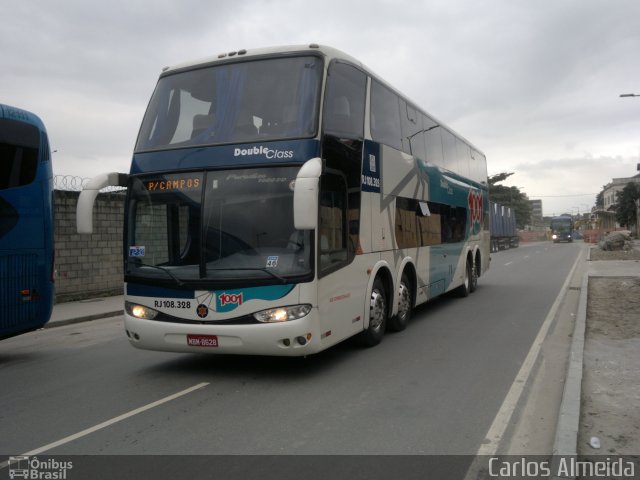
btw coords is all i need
(433, 389)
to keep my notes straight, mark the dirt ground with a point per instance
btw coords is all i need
(611, 374)
(597, 254)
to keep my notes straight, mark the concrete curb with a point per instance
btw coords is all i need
(85, 310)
(566, 439)
(84, 318)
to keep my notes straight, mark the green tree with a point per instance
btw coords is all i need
(494, 179)
(510, 197)
(600, 199)
(626, 204)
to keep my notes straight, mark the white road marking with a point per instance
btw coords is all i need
(117, 419)
(503, 417)
(507, 264)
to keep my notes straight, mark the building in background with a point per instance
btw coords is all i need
(536, 212)
(606, 217)
(611, 190)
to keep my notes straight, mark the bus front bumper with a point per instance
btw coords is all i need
(293, 338)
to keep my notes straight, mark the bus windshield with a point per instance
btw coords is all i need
(239, 228)
(561, 224)
(239, 102)
(19, 149)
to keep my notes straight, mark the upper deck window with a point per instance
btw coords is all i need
(242, 102)
(385, 116)
(344, 101)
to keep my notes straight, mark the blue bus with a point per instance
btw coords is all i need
(562, 229)
(283, 200)
(26, 223)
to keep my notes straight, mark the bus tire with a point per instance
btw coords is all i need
(405, 305)
(464, 289)
(378, 313)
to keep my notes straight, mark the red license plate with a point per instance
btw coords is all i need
(202, 340)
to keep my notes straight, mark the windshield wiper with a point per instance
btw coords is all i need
(179, 282)
(265, 270)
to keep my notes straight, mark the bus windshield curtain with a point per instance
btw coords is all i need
(166, 116)
(307, 93)
(230, 83)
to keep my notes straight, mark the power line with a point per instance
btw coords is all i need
(559, 196)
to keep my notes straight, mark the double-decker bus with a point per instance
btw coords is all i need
(283, 200)
(562, 229)
(26, 223)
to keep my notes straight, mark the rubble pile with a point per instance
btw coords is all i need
(617, 241)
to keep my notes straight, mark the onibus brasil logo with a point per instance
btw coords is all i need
(22, 466)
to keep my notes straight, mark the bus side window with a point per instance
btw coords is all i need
(433, 140)
(333, 229)
(454, 224)
(344, 105)
(385, 116)
(450, 151)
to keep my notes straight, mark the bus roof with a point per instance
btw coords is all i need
(243, 54)
(20, 115)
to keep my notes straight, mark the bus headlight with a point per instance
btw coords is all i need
(554, 236)
(140, 311)
(282, 314)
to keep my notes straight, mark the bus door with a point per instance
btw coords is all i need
(339, 286)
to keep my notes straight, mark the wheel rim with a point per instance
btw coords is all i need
(404, 305)
(474, 276)
(378, 310)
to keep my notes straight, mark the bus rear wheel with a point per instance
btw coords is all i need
(378, 312)
(405, 305)
(465, 289)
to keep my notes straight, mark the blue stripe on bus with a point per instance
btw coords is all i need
(229, 300)
(226, 156)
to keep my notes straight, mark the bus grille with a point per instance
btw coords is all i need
(17, 273)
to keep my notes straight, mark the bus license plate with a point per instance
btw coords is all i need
(202, 340)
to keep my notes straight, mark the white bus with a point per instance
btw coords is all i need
(283, 200)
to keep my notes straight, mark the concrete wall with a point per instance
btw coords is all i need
(88, 266)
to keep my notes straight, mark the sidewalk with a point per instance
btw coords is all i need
(85, 310)
(569, 429)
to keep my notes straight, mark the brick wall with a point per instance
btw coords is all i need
(88, 266)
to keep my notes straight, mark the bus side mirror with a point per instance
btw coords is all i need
(305, 195)
(84, 209)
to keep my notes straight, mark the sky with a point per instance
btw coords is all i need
(534, 84)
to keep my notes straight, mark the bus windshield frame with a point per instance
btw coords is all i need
(273, 98)
(216, 227)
